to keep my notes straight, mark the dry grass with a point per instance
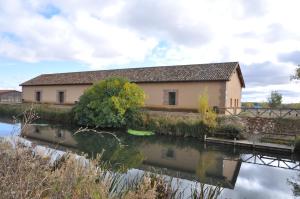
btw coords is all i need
(26, 175)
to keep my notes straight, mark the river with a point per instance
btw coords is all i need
(242, 173)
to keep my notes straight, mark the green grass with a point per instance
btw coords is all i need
(140, 133)
(166, 125)
(44, 112)
(288, 142)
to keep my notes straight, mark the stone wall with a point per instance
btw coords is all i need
(249, 125)
(271, 125)
(259, 125)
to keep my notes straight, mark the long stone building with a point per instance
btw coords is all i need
(166, 87)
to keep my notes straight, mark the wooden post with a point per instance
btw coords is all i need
(280, 112)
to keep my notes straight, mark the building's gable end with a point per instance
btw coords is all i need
(237, 70)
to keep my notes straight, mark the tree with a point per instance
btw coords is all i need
(275, 99)
(297, 73)
(114, 102)
(264, 105)
(248, 104)
(207, 115)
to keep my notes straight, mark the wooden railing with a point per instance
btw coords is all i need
(261, 112)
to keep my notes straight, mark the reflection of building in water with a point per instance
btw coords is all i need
(46, 133)
(7, 120)
(210, 167)
(207, 166)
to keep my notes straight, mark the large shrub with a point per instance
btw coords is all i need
(113, 102)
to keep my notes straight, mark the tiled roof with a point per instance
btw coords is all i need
(7, 91)
(177, 73)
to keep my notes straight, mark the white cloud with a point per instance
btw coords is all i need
(79, 36)
(290, 92)
(118, 32)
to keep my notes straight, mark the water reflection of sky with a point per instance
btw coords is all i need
(8, 129)
(254, 182)
(257, 181)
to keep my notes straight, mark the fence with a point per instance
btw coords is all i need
(261, 112)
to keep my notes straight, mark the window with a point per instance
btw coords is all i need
(61, 97)
(37, 130)
(168, 154)
(237, 102)
(38, 96)
(59, 134)
(230, 102)
(172, 98)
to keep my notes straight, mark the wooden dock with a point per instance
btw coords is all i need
(254, 145)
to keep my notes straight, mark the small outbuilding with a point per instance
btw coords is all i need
(10, 96)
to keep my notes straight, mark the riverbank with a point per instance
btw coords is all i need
(159, 123)
(51, 113)
(267, 130)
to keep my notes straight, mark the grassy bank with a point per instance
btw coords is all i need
(24, 174)
(184, 126)
(162, 124)
(44, 112)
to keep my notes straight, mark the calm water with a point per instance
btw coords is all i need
(242, 173)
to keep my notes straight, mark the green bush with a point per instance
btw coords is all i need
(297, 145)
(227, 131)
(114, 102)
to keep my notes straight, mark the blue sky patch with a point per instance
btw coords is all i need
(10, 37)
(10, 78)
(49, 11)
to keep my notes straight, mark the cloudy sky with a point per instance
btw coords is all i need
(47, 36)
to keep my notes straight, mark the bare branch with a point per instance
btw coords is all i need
(86, 129)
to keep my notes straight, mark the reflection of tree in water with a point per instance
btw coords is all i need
(208, 162)
(295, 183)
(116, 156)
